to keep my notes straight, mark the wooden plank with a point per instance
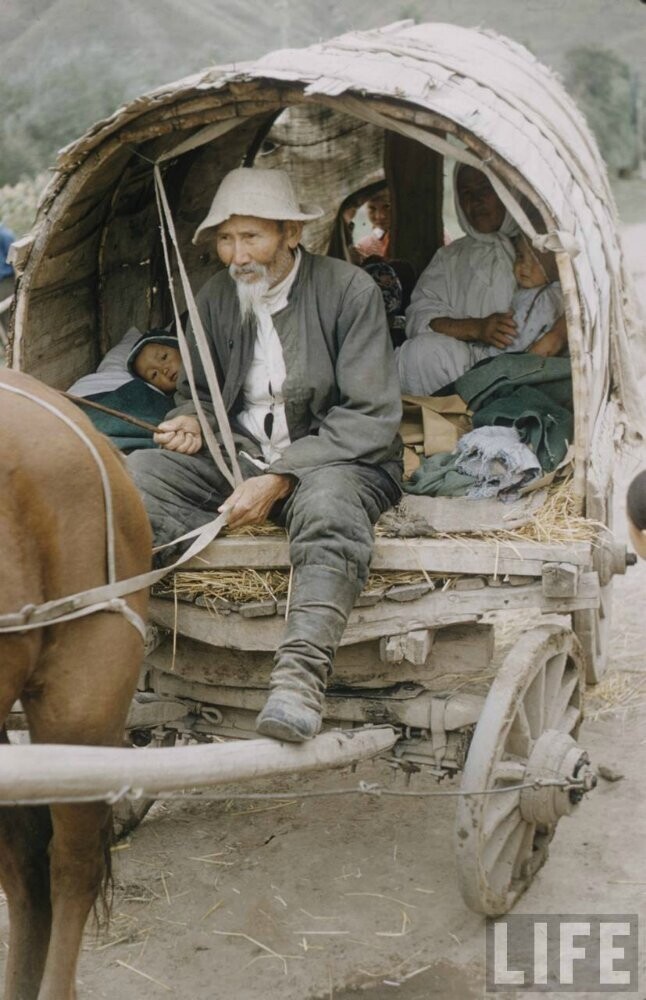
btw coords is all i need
(86, 217)
(436, 609)
(76, 264)
(437, 555)
(61, 345)
(415, 176)
(560, 580)
(457, 651)
(40, 772)
(412, 708)
(456, 515)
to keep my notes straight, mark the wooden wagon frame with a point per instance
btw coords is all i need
(409, 679)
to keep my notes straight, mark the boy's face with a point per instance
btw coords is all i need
(159, 364)
(529, 272)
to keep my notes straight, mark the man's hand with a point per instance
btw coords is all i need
(498, 330)
(371, 246)
(181, 434)
(251, 502)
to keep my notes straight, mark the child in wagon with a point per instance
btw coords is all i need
(461, 308)
(536, 304)
(136, 377)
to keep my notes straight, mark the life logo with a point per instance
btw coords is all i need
(575, 953)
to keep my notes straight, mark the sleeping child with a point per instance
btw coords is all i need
(137, 377)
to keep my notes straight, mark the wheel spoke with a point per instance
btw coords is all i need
(498, 808)
(525, 852)
(519, 739)
(534, 704)
(500, 854)
(510, 771)
(570, 719)
(554, 673)
(562, 701)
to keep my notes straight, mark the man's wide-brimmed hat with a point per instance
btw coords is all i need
(262, 194)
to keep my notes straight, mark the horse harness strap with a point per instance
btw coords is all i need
(108, 597)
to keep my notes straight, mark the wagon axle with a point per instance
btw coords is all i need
(555, 755)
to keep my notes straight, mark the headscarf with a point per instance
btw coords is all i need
(155, 336)
(495, 250)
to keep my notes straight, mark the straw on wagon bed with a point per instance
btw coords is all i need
(558, 521)
(220, 586)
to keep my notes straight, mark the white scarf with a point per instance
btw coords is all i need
(495, 251)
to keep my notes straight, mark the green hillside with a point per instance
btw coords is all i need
(67, 63)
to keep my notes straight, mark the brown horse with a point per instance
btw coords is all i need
(75, 679)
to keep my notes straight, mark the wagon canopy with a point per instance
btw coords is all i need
(90, 268)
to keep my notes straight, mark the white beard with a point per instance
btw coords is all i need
(250, 293)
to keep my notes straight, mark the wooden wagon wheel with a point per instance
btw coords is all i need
(527, 730)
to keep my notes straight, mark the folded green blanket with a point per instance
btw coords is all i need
(528, 392)
(553, 376)
(438, 476)
(541, 423)
(137, 399)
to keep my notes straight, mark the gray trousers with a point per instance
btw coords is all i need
(329, 517)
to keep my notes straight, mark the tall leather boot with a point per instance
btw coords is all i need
(321, 602)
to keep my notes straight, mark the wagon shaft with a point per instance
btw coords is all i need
(41, 773)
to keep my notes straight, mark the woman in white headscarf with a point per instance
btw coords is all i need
(460, 305)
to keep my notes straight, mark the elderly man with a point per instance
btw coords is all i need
(301, 347)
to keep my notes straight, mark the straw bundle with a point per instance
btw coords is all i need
(236, 586)
(244, 585)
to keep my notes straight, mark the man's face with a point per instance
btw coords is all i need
(378, 208)
(529, 272)
(159, 364)
(480, 203)
(254, 249)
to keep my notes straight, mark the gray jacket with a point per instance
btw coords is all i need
(342, 397)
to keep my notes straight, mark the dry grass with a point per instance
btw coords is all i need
(558, 521)
(255, 531)
(617, 692)
(233, 585)
(244, 585)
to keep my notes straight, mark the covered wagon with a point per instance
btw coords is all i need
(400, 103)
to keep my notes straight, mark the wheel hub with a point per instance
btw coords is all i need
(555, 757)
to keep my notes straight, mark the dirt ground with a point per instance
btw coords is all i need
(335, 898)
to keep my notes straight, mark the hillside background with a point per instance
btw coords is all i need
(67, 63)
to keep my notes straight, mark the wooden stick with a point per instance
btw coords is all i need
(42, 773)
(113, 413)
